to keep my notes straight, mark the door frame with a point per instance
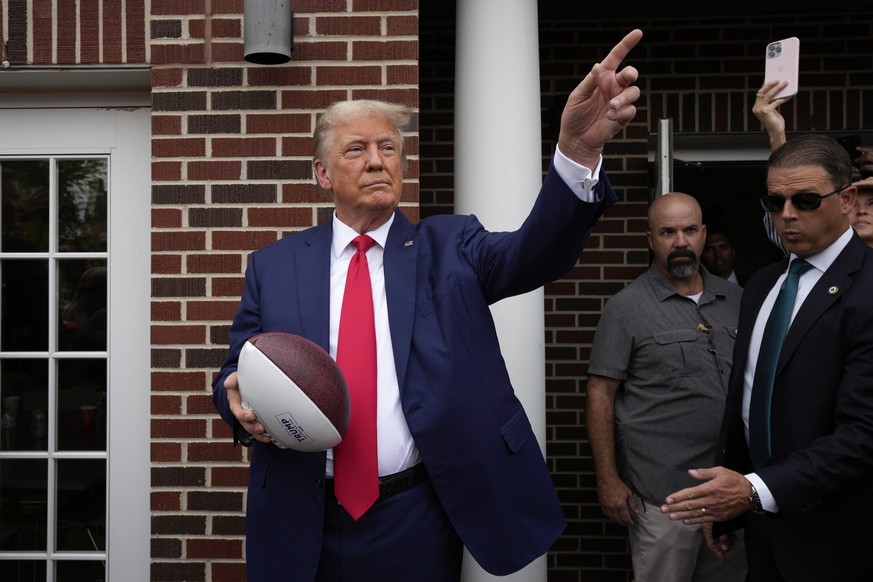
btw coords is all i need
(48, 114)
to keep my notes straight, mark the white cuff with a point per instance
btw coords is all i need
(580, 179)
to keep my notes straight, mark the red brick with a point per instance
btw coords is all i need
(166, 171)
(189, 428)
(303, 193)
(166, 310)
(218, 28)
(243, 147)
(242, 240)
(43, 32)
(164, 452)
(227, 52)
(226, 286)
(180, 7)
(164, 54)
(344, 75)
(136, 31)
(166, 218)
(211, 310)
(348, 25)
(166, 77)
(113, 49)
(223, 476)
(392, 50)
(166, 264)
(166, 501)
(166, 124)
(227, 571)
(166, 404)
(279, 76)
(213, 548)
(218, 170)
(280, 217)
(179, 147)
(273, 123)
(200, 452)
(178, 334)
(402, 25)
(179, 381)
(200, 403)
(214, 263)
(178, 241)
(89, 24)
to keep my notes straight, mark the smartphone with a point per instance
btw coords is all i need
(782, 63)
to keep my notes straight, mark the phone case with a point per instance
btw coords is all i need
(782, 63)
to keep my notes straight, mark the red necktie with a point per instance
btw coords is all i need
(356, 472)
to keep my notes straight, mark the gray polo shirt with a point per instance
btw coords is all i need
(673, 357)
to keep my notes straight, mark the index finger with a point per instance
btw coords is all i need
(621, 50)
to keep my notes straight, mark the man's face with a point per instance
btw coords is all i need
(718, 255)
(361, 166)
(861, 217)
(806, 232)
(676, 236)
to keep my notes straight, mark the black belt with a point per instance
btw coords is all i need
(392, 484)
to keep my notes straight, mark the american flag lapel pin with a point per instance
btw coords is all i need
(407, 244)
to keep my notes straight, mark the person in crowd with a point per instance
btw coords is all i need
(657, 381)
(719, 255)
(766, 109)
(795, 456)
(453, 461)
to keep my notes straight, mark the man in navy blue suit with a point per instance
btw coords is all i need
(813, 471)
(458, 462)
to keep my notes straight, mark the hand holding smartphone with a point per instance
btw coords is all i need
(782, 63)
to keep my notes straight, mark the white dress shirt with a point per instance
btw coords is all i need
(821, 262)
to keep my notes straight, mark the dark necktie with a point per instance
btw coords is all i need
(768, 357)
(356, 472)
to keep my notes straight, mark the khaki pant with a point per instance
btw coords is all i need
(670, 551)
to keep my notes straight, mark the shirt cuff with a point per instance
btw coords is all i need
(580, 179)
(767, 500)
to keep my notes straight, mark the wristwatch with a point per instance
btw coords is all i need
(755, 500)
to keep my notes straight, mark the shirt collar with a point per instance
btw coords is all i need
(824, 259)
(343, 235)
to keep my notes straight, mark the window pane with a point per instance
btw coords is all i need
(24, 312)
(23, 506)
(81, 570)
(21, 570)
(81, 505)
(25, 190)
(24, 387)
(82, 405)
(82, 205)
(82, 292)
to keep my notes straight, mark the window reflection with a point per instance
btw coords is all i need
(82, 205)
(25, 190)
(82, 290)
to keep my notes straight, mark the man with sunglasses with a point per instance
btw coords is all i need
(796, 476)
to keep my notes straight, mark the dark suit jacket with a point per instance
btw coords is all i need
(821, 472)
(474, 437)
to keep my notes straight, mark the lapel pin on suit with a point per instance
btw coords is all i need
(833, 290)
(407, 244)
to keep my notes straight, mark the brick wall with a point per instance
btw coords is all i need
(232, 173)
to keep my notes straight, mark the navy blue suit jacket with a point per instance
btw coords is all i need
(821, 472)
(474, 437)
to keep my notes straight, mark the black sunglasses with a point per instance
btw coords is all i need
(801, 201)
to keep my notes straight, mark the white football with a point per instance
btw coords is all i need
(296, 389)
